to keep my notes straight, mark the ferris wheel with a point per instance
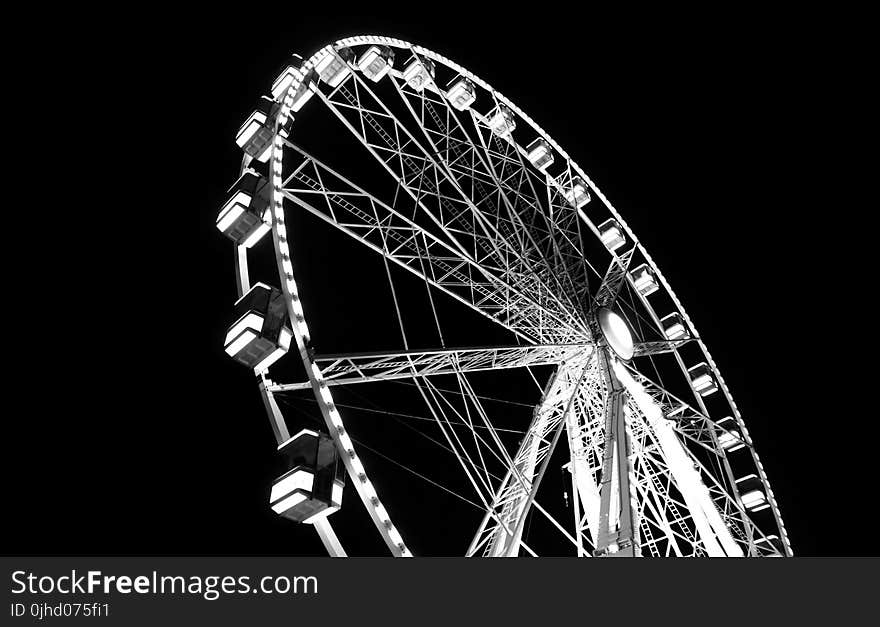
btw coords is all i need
(461, 192)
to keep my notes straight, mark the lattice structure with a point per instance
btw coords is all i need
(471, 197)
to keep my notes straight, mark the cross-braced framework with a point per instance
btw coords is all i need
(460, 190)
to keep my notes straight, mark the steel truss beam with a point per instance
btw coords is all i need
(618, 527)
(351, 368)
(659, 501)
(500, 532)
(613, 281)
(714, 533)
(695, 427)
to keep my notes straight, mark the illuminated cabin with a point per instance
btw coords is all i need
(577, 195)
(673, 327)
(730, 439)
(312, 486)
(418, 73)
(461, 93)
(770, 546)
(333, 67)
(244, 217)
(643, 280)
(611, 234)
(502, 121)
(293, 72)
(702, 379)
(376, 62)
(751, 492)
(255, 135)
(260, 335)
(539, 154)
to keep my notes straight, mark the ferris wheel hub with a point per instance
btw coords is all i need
(616, 333)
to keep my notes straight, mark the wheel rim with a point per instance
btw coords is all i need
(566, 340)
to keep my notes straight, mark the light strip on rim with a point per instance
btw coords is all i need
(301, 333)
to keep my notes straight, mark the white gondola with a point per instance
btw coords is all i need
(255, 135)
(333, 68)
(293, 73)
(673, 327)
(461, 93)
(752, 493)
(260, 336)
(730, 439)
(702, 379)
(611, 234)
(289, 74)
(643, 280)
(244, 218)
(577, 194)
(376, 62)
(502, 121)
(755, 501)
(540, 154)
(313, 484)
(418, 73)
(771, 543)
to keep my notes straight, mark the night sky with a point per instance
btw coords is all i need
(133, 433)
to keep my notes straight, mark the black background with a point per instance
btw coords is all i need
(727, 141)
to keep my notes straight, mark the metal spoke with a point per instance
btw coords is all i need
(352, 368)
